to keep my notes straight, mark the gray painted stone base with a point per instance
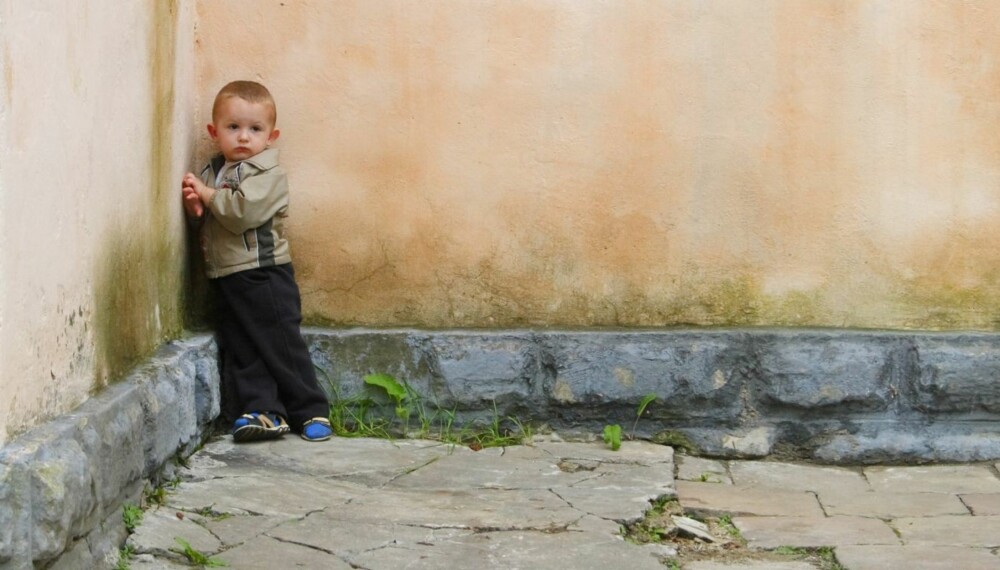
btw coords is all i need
(829, 395)
(63, 484)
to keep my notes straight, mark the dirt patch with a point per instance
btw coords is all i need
(661, 526)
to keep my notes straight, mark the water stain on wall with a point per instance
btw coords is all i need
(139, 275)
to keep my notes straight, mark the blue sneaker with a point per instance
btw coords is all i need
(317, 429)
(257, 426)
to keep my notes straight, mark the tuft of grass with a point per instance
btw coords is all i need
(366, 416)
(124, 558)
(131, 516)
(196, 557)
(210, 513)
(725, 522)
(156, 496)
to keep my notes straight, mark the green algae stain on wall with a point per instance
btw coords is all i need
(130, 317)
(164, 198)
(138, 284)
(127, 318)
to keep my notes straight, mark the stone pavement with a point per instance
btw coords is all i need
(876, 518)
(380, 505)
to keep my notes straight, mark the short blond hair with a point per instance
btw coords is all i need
(250, 91)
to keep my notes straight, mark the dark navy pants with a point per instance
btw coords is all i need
(265, 361)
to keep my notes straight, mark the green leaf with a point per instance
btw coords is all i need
(613, 436)
(393, 388)
(646, 400)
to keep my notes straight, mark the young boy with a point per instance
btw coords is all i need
(241, 200)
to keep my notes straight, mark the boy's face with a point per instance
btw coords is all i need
(242, 129)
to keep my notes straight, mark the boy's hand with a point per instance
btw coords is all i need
(192, 203)
(196, 194)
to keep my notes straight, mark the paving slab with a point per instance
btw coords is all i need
(890, 505)
(967, 530)
(160, 529)
(934, 479)
(812, 532)
(714, 498)
(922, 557)
(702, 470)
(982, 504)
(365, 461)
(266, 552)
(383, 505)
(796, 477)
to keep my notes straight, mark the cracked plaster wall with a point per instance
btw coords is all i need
(657, 162)
(95, 119)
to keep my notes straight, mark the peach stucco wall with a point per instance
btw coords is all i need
(651, 162)
(91, 234)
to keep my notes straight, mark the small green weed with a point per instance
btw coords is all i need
(124, 558)
(196, 557)
(646, 400)
(613, 432)
(131, 516)
(725, 522)
(822, 555)
(396, 391)
(613, 436)
(156, 496)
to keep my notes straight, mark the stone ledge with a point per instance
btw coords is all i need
(831, 395)
(63, 484)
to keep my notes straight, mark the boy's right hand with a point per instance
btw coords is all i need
(192, 202)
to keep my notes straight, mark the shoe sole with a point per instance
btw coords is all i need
(251, 432)
(315, 438)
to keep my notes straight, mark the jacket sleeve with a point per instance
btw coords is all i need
(257, 199)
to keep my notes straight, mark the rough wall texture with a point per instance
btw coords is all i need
(62, 484)
(832, 396)
(91, 236)
(657, 162)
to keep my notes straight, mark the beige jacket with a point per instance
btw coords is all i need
(243, 226)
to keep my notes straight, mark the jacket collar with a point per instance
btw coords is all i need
(265, 159)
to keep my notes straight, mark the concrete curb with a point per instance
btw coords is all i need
(63, 484)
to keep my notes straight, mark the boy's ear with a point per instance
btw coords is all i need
(274, 136)
(212, 132)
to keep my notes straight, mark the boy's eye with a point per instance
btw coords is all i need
(233, 127)
(255, 129)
